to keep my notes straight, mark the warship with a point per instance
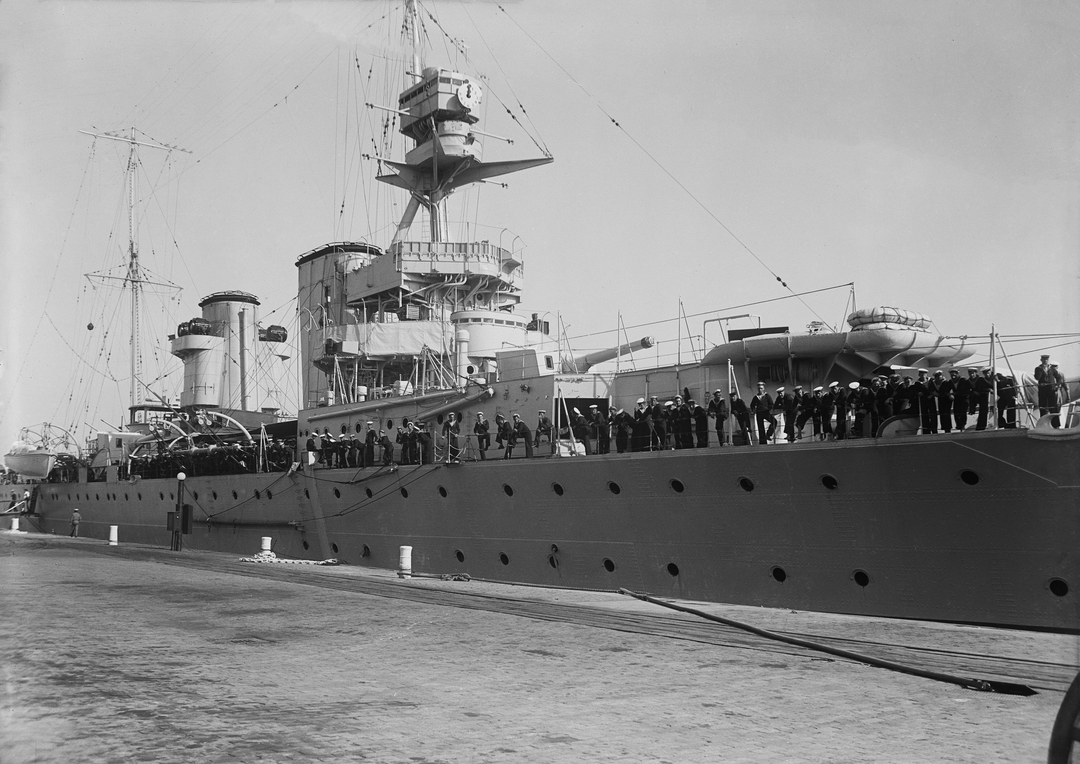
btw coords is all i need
(404, 348)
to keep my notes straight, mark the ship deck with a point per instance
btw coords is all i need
(134, 652)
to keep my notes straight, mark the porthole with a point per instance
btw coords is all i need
(558, 489)
(139, 495)
(235, 496)
(404, 493)
(334, 547)
(969, 476)
(337, 494)
(365, 551)
(389, 424)
(404, 422)
(609, 565)
(97, 496)
(13, 497)
(614, 487)
(368, 493)
(442, 492)
(161, 496)
(503, 558)
(861, 577)
(344, 429)
(677, 486)
(779, 574)
(746, 484)
(306, 545)
(553, 561)
(194, 495)
(171, 497)
(258, 494)
(127, 499)
(358, 427)
(269, 495)
(508, 489)
(214, 494)
(1058, 587)
(672, 569)
(460, 555)
(830, 482)
(439, 418)
(306, 494)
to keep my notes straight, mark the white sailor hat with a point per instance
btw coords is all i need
(853, 385)
(370, 422)
(594, 406)
(798, 387)
(669, 403)
(576, 411)
(640, 400)
(818, 389)
(541, 411)
(620, 411)
(923, 371)
(779, 389)
(718, 390)
(515, 415)
(833, 384)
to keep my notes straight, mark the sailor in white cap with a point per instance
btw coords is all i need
(718, 410)
(761, 405)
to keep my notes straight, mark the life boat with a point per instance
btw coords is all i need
(888, 318)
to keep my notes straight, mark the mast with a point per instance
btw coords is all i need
(134, 278)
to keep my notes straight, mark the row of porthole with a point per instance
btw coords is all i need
(161, 496)
(828, 481)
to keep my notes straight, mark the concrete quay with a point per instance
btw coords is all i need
(134, 653)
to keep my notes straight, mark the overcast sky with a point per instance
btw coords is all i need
(926, 151)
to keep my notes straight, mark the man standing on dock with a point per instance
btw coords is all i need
(76, 518)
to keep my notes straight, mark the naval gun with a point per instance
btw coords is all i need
(582, 363)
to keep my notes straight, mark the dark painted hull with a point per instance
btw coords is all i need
(973, 527)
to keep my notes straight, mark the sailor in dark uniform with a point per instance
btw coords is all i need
(639, 439)
(828, 408)
(523, 434)
(387, 448)
(1006, 402)
(483, 437)
(370, 439)
(804, 411)
(1047, 387)
(982, 389)
(624, 426)
(701, 423)
(961, 391)
(740, 414)
(718, 410)
(658, 421)
(816, 407)
(543, 429)
(761, 406)
(941, 390)
(919, 395)
(790, 405)
(602, 428)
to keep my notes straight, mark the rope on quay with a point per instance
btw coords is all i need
(982, 685)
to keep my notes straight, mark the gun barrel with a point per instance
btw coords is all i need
(582, 363)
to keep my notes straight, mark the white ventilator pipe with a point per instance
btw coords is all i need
(405, 562)
(114, 535)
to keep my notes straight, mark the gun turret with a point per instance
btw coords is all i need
(582, 363)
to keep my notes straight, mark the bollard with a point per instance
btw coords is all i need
(267, 542)
(14, 525)
(405, 562)
(114, 535)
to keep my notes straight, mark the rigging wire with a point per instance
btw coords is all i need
(655, 161)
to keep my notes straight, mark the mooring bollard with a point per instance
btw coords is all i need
(114, 535)
(405, 562)
(15, 524)
(267, 542)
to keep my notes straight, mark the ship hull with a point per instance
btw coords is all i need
(970, 528)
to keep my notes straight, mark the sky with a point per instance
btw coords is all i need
(710, 157)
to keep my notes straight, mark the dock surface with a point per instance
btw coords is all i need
(136, 653)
